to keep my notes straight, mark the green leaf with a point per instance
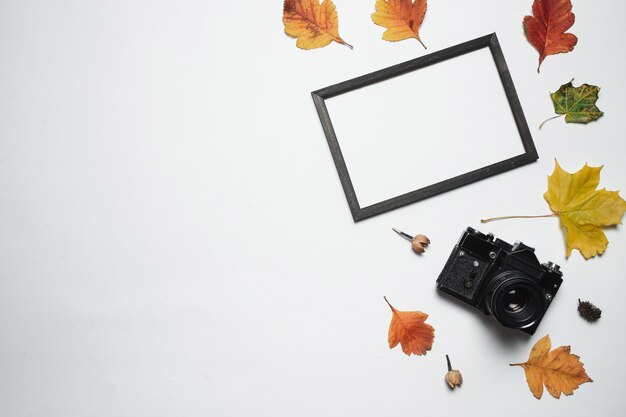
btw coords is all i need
(578, 104)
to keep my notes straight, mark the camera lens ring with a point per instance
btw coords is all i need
(515, 300)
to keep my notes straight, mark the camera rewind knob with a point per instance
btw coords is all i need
(552, 266)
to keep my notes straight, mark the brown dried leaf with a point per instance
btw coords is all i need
(559, 370)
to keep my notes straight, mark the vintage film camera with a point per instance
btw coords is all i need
(506, 281)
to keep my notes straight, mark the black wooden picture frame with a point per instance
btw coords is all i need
(490, 41)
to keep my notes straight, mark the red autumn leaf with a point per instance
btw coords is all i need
(545, 29)
(408, 329)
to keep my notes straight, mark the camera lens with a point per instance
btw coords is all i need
(515, 300)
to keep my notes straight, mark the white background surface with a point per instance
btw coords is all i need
(174, 239)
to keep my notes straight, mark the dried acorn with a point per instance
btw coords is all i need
(588, 311)
(453, 376)
(419, 243)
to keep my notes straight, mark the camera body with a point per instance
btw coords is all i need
(503, 280)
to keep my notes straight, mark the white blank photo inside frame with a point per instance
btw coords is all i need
(424, 127)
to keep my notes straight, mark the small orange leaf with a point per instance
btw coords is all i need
(408, 329)
(545, 29)
(402, 18)
(315, 25)
(559, 370)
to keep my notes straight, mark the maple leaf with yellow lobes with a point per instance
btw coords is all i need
(582, 209)
(410, 330)
(559, 370)
(402, 18)
(315, 25)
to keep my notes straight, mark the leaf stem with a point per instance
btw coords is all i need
(550, 118)
(516, 217)
(389, 304)
(341, 41)
(449, 366)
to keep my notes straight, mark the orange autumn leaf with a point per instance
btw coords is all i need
(315, 25)
(402, 18)
(559, 370)
(545, 29)
(408, 329)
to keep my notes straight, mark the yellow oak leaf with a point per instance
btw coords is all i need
(559, 370)
(582, 209)
(402, 18)
(315, 25)
(408, 329)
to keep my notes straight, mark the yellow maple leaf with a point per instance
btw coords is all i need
(582, 209)
(315, 25)
(402, 18)
(559, 370)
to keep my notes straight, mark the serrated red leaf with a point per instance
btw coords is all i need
(545, 29)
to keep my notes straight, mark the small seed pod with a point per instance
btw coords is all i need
(588, 311)
(453, 376)
(419, 243)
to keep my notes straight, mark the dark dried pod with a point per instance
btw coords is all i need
(588, 311)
